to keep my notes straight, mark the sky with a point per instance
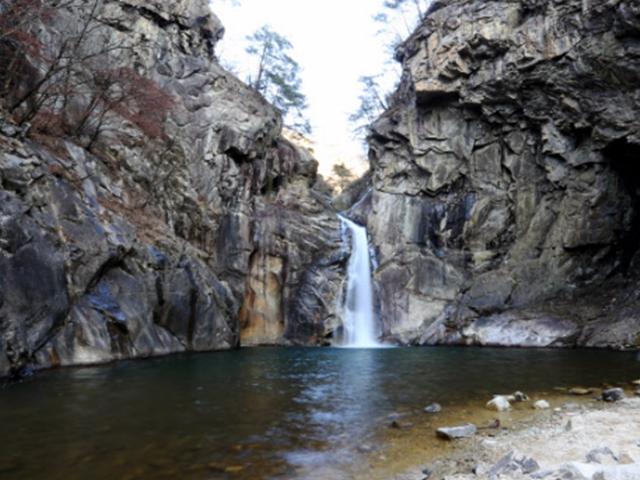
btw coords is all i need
(335, 42)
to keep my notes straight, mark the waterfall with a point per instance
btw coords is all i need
(359, 322)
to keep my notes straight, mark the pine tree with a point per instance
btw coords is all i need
(372, 104)
(278, 76)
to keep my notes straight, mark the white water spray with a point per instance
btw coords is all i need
(359, 322)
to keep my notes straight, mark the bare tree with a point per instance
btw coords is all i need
(399, 18)
(372, 103)
(76, 82)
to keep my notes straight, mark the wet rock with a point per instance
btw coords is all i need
(494, 425)
(399, 425)
(395, 415)
(366, 448)
(514, 331)
(433, 408)
(453, 433)
(541, 405)
(613, 395)
(499, 403)
(580, 391)
(234, 469)
(520, 397)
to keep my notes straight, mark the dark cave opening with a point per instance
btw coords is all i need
(624, 158)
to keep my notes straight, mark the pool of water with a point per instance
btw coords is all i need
(258, 413)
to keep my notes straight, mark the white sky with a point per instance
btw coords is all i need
(335, 42)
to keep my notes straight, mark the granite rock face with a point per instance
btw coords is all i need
(133, 249)
(505, 193)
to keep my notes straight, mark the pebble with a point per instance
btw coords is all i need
(514, 462)
(520, 397)
(579, 391)
(400, 425)
(365, 448)
(625, 459)
(234, 469)
(571, 407)
(499, 403)
(433, 408)
(541, 405)
(601, 455)
(453, 433)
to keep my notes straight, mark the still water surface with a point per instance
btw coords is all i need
(257, 413)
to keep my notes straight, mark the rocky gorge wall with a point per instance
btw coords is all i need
(135, 247)
(502, 200)
(505, 179)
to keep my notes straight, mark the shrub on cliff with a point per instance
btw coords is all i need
(74, 83)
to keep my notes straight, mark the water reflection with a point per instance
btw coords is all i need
(264, 413)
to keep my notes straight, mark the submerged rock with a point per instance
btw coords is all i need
(541, 405)
(366, 448)
(580, 391)
(433, 408)
(399, 425)
(499, 403)
(520, 397)
(453, 433)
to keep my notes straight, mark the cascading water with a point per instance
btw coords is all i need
(359, 322)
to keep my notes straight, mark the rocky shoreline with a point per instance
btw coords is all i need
(581, 437)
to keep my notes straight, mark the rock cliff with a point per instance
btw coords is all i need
(136, 247)
(505, 177)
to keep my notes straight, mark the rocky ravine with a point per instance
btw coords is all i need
(505, 192)
(135, 249)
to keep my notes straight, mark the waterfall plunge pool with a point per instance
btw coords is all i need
(269, 412)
